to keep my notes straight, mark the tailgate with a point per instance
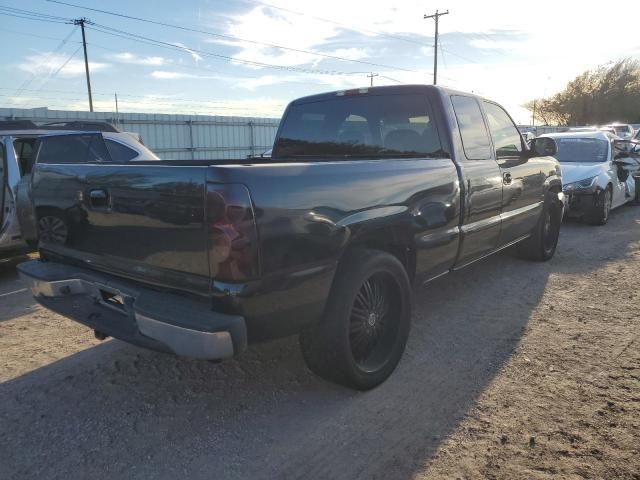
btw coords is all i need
(140, 221)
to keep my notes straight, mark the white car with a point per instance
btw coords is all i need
(18, 140)
(595, 174)
(622, 130)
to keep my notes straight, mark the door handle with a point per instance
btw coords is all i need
(99, 198)
(506, 178)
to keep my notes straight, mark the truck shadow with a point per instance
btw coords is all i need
(14, 299)
(118, 411)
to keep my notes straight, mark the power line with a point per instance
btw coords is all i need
(30, 79)
(140, 38)
(392, 79)
(24, 17)
(443, 59)
(28, 34)
(32, 13)
(50, 76)
(232, 37)
(458, 55)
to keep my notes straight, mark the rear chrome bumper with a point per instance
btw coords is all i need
(134, 313)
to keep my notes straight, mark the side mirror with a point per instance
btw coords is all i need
(543, 147)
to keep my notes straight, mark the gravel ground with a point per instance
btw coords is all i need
(513, 370)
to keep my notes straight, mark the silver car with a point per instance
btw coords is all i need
(17, 154)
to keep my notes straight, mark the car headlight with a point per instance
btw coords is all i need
(583, 184)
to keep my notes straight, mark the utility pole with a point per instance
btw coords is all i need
(81, 22)
(533, 115)
(436, 16)
(371, 75)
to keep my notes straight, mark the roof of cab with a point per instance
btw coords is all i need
(384, 90)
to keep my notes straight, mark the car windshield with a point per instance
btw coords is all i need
(581, 150)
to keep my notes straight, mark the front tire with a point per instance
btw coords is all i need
(541, 245)
(53, 228)
(365, 326)
(599, 213)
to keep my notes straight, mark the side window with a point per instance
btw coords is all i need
(475, 139)
(73, 149)
(118, 152)
(506, 137)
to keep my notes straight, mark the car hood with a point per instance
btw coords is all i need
(574, 172)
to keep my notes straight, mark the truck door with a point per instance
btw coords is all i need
(482, 183)
(522, 177)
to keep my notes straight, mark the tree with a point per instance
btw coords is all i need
(604, 95)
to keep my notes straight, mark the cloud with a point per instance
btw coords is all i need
(300, 32)
(48, 63)
(314, 82)
(350, 53)
(197, 57)
(126, 57)
(172, 75)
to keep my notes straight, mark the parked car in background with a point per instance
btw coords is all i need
(18, 145)
(595, 175)
(584, 129)
(622, 130)
(365, 191)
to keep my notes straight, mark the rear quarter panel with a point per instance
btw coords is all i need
(309, 214)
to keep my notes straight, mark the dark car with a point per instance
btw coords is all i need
(366, 192)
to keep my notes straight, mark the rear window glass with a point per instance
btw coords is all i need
(73, 149)
(360, 126)
(475, 139)
(621, 129)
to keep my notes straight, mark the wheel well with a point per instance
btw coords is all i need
(391, 242)
(42, 211)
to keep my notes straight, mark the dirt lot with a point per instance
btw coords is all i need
(513, 370)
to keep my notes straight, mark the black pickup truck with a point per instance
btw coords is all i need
(367, 191)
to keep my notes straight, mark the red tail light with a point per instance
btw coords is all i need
(233, 237)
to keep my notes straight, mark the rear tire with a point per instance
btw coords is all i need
(365, 325)
(599, 213)
(541, 245)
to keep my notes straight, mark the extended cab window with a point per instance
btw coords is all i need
(359, 126)
(505, 134)
(89, 148)
(118, 152)
(475, 139)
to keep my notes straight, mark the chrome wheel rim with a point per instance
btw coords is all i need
(52, 229)
(372, 326)
(607, 204)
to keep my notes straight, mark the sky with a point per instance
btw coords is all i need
(250, 58)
